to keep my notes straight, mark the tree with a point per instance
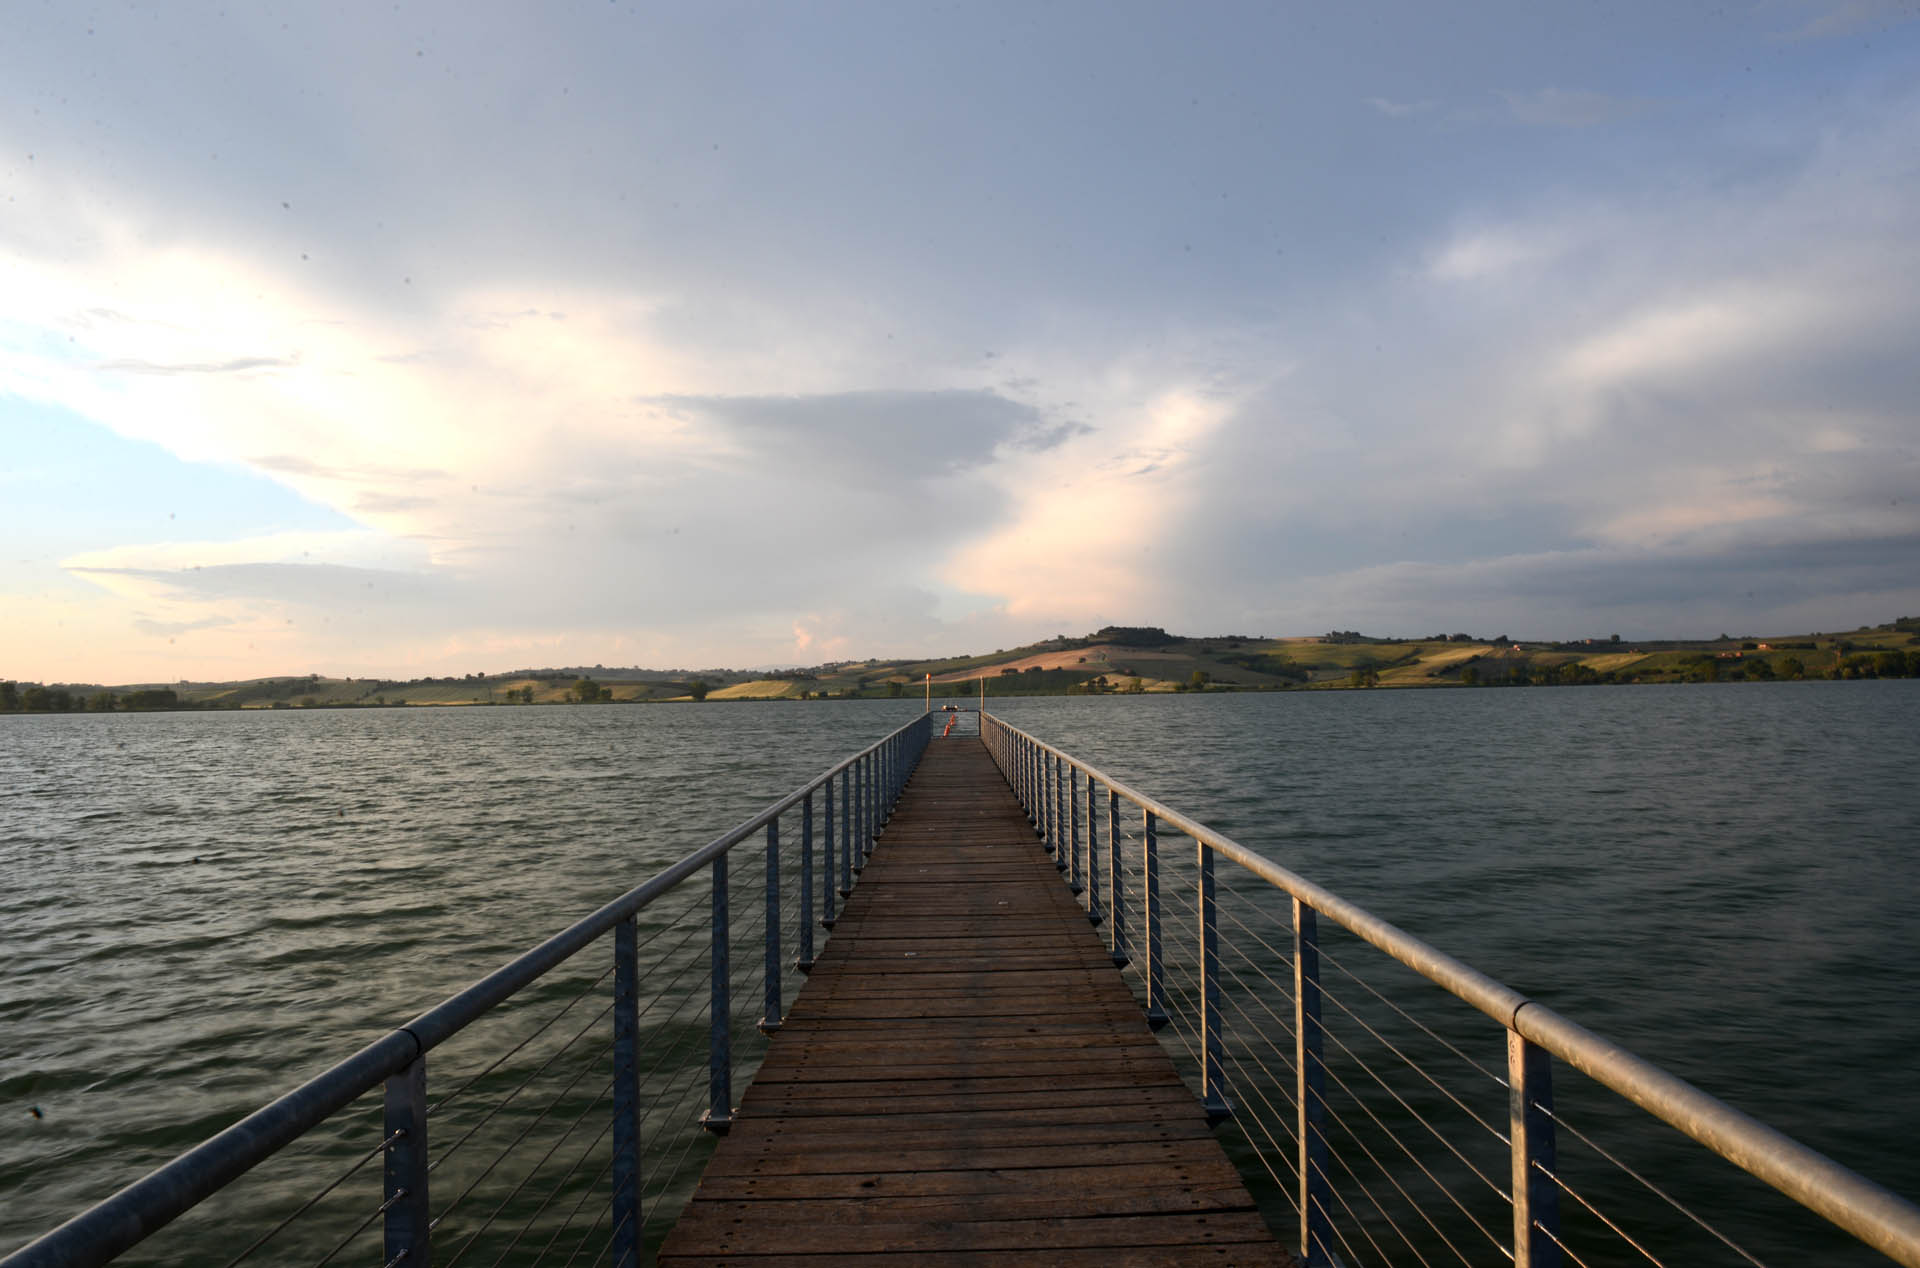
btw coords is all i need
(1791, 667)
(586, 689)
(1199, 680)
(896, 688)
(698, 689)
(1364, 676)
(9, 696)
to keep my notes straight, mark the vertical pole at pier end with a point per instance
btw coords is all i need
(719, 1115)
(1536, 1199)
(626, 1095)
(404, 1170)
(770, 1015)
(1310, 1093)
(1150, 910)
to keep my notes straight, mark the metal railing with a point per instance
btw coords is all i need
(1378, 1120)
(598, 1170)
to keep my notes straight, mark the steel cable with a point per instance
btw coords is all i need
(506, 1100)
(533, 1170)
(1415, 1066)
(308, 1205)
(1649, 1185)
(1411, 1155)
(498, 1158)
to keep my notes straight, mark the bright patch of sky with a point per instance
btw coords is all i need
(469, 336)
(71, 485)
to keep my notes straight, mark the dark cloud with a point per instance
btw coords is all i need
(885, 435)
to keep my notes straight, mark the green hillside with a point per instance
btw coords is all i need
(1112, 660)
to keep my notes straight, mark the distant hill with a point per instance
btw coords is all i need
(1113, 659)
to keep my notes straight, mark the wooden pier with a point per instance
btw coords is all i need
(965, 1077)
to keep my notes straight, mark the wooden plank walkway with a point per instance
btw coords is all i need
(966, 1079)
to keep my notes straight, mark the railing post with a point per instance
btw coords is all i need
(1116, 884)
(886, 780)
(1310, 1092)
(770, 1015)
(1150, 909)
(846, 832)
(1536, 1198)
(1074, 873)
(869, 823)
(1027, 782)
(1212, 1035)
(860, 815)
(827, 880)
(1062, 848)
(626, 1095)
(805, 962)
(719, 1115)
(1093, 868)
(408, 1233)
(1043, 806)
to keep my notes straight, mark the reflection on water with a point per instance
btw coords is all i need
(201, 909)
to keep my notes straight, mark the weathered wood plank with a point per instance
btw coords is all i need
(965, 1075)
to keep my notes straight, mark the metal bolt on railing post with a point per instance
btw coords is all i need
(1150, 907)
(1310, 1092)
(770, 1015)
(827, 880)
(719, 1115)
(626, 1095)
(805, 962)
(1116, 884)
(1094, 914)
(1074, 882)
(846, 832)
(1536, 1198)
(403, 1172)
(1212, 1035)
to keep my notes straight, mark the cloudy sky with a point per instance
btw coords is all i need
(397, 339)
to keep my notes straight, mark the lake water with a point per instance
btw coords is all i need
(198, 910)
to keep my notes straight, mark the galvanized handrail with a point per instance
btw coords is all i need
(870, 781)
(1043, 775)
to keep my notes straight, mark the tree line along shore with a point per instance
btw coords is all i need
(1118, 660)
